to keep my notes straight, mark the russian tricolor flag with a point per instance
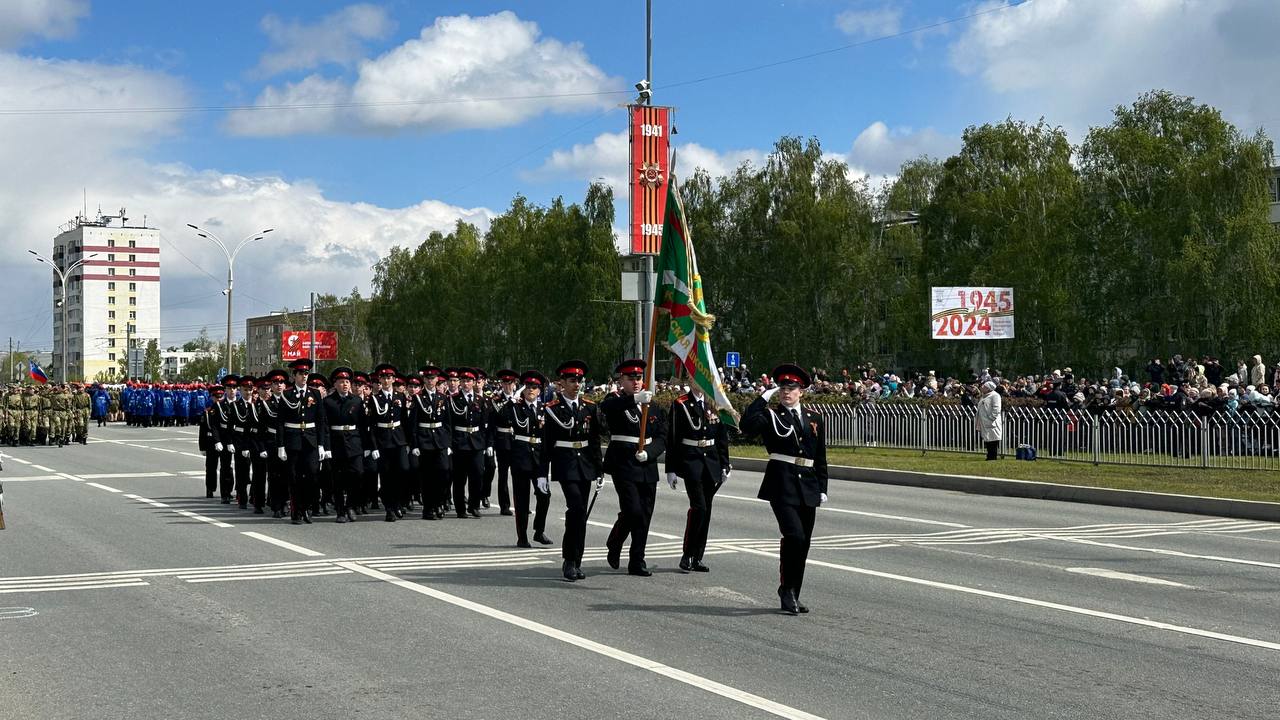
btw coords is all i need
(37, 374)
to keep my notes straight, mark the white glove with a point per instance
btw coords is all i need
(417, 452)
(641, 456)
(768, 394)
(217, 447)
(231, 448)
(366, 453)
(376, 455)
(244, 453)
(671, 480)
(282, 454)
(600, 482)
(543, 486)
(724, 476)
(320, 450)
(488, 452)
(822, 498)
(448, 452)
(262, 454)
(643, 397)
(326, 455)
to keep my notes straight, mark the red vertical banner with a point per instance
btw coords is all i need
(650, 131)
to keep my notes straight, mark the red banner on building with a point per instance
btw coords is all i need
(650, 128)
(296, 344)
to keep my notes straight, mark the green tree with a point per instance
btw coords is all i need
(151, 361)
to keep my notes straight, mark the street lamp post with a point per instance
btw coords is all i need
(231, 261)
(62, 283)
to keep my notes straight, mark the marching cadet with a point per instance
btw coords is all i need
(430, 437)
(344, 413)
(571, 456)
(211, 441)
(226, 433)
(386, 412)
(525, 421)
(81, 408)
(324, 473)
(469, 420)
(795, 480)
(272, 387)
(368, 490)
(632, 465)
(242, 433)
(500, 439)
(303, 437)
(698, 452)
(262, 434)
(59, 399)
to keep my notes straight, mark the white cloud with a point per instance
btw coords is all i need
(878, 22)
(40, 18)
(336, 38)
(879, 150)
(605, 158)
(1073, 61)
(422, 83)
(319, 244)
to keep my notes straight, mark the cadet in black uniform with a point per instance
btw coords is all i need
(429, 422)
(386, 412)
(795, 480)
(368, 492)
(210, 440)
(264, 434)
(277, 482)
(303, 437)
(324, 472)
(226, 433)
(633, 467)
(698, 452)
(242, 433)
(571, 456)
(500, 439)
(344, 414)
(525, 421)
(469, 420)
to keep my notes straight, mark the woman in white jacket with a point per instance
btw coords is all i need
(989, 421)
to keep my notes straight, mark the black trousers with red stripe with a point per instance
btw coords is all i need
(701, 492)
(796, 524)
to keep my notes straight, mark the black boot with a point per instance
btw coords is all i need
(391, 516)
(306, 517)
(577, 570)
(569, 571)
(542, 539)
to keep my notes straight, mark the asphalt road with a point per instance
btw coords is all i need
(124, 593)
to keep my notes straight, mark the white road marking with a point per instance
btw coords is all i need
(31, 478)
(281, 543)
(643, 663)
(17, 613)
(18, 460)
(202, 518)
(654, 533)
(1171, 553)
(102, 487)
(42, 468)
(854, 512)
(72, 587)
(1115, 575)
(112, 476)
(194, 455)
(1265, 644)
(267, 576)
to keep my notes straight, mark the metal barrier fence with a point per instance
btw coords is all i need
(1245, 441)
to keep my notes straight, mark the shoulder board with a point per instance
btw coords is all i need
(588, 401)
(552, 402)
(683, 398)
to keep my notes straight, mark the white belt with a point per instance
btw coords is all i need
(472, 429)
(697, 443)
(347, 428)
(237, 428)
(575, 444)
(390, 425)
(797, 461)
(531, 439)
(271, 430)
(300, 426)
(630, 439)
(430, 426)
(506, 430)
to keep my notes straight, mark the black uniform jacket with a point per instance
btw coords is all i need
(209, 431)
(570, 441)
(697, 442)
(525, 438)
(302, 423)
(787, 482)
(469, 421)
(386, 415)
(621, 417)
(345, 418)
(429, 418)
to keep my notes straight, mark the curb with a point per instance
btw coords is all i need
(1167, 502)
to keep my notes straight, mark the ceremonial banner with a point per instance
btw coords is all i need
(681, 321)
(296, 344)
(649, 172)
(972, 313)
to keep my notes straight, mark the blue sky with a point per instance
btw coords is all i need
(345, 180)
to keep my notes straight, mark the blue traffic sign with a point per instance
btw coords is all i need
(222, 372)
(732, 360)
